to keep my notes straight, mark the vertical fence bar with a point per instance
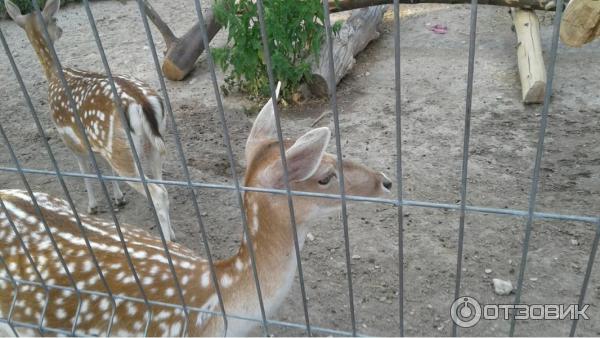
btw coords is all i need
(465, 159)
(45, 225)
(91, 155)
(398, 92)
(59, 175)
(340, 166)
(270, 73)
(137, 161)
(586, 279)
(183, 161)
(538, 158)
(227, 140)
(14, 300)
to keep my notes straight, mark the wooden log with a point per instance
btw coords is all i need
(181, 56)
(580, 22)
(345, 5)
(529, 55)
(182, 53)
(355, 34)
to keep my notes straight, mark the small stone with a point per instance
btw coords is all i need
(357, 257)
(310, 237)
(502, 287)
(574, 242)
(204, 214)
(382, 299)
(533, 279)
(488, 271)
(367, 74)
(364, 325)
(429, 306)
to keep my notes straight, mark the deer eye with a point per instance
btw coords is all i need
(326, 180)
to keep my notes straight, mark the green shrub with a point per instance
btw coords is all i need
(295, 32)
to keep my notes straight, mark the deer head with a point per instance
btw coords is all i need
(310, 167)
(31, 24)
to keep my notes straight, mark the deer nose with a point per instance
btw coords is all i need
(387, 183)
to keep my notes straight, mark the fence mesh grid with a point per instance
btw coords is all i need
(529, 215)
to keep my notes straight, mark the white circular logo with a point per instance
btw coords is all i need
(465, 311)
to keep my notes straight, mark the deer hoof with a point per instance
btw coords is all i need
(120, 202)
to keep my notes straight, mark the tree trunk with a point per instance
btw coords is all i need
(355, 34)
(529, 55)
(580, 23)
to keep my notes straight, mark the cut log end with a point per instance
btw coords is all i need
(535, 93)
(318, 86)
(172, 72)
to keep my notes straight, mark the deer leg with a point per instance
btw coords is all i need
(160, 198)
(158, 193)
(119, 198)
(156, 161)
(84, 166)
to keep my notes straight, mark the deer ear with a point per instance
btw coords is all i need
(14, 12)
(264, 127)
(51, 8)
(303, 158)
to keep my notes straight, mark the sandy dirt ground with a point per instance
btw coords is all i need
(434, 67)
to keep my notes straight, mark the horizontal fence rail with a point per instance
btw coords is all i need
(403, 202)
(113, 296)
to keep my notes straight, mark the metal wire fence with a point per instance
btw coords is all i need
(191, 186)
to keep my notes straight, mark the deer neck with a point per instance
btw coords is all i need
(40, 45)
(270, 229)
(272, 238)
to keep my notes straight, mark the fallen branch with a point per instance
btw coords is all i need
(318, 119)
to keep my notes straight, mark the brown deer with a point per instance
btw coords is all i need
(101, 119)
(310, 169)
